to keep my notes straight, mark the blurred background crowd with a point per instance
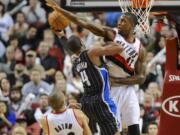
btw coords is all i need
(33, 60)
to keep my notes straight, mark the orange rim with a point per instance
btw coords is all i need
(140, 3)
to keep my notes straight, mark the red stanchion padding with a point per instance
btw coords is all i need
(170, 111)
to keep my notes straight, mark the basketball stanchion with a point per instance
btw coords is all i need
(170, 112)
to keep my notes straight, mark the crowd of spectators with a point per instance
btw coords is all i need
(33, 60)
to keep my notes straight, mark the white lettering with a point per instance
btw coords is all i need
(173, 106)
(81, 66)
(174, 78)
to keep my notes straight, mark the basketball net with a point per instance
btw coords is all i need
(141, 8)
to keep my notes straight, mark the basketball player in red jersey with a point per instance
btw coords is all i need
(62, 120)
(126, 69)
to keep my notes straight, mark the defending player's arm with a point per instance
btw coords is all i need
(110, 48)
(83, 120)
(98, 30)
(139, 76)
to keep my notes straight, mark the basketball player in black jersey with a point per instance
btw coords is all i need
(96, 102)
(125, 29)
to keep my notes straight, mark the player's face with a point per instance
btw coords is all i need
(124, 26)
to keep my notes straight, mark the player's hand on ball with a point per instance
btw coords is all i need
(59, 33)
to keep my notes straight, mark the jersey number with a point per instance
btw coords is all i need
(84, 78)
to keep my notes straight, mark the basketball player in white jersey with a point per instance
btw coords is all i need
(63, 121)
(126, 69)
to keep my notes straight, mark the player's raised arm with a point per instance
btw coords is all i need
(98, 30)
(110, 48)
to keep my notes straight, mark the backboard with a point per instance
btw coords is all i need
(113, 5)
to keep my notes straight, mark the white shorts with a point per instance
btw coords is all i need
(128, 109)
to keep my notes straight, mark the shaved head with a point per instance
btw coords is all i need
(56, 100)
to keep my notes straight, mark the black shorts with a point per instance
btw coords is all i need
(101, 111)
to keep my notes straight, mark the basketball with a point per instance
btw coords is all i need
(57, 21)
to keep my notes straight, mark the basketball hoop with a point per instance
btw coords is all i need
(141, 8)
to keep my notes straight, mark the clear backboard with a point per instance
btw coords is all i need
(113, 5)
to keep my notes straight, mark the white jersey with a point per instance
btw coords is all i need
(123, 64)
(64, 123)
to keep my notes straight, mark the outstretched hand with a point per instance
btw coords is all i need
(52, 4)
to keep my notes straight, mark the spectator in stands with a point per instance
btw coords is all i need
(20, 27)
(36, 85)
(168, 31)
(43, 108)
(60, 82)
(31, 61)
(6, 115)
(22, 121)
(5, 87)
(30, 41)
(19, 131)
(154, 90)
(2, 75)
(55, 50)
(49, 63)
(16, 100)
(152, 128)
(28, 121)
(14, 42)
(7, 63)
(35, 14)
(6, 22)
(151, 111)
(4, 129)
(20, 77)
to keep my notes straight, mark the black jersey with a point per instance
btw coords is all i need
(93, 77)
(96, 102)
